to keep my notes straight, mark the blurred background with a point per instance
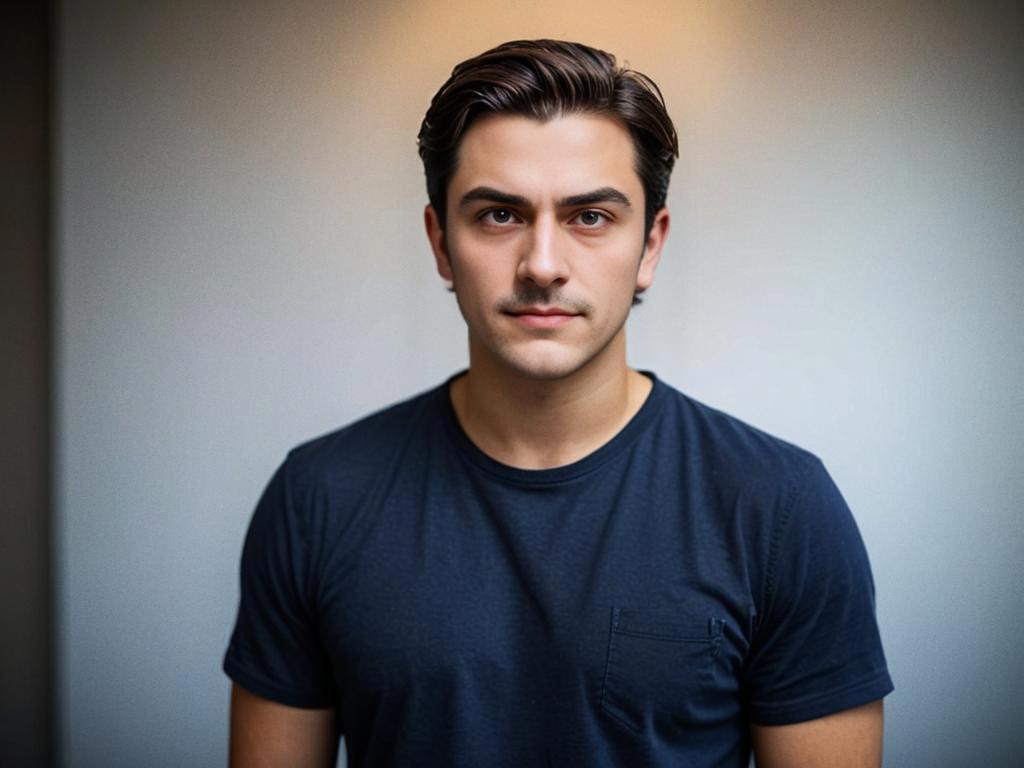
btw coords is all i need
(213, 251)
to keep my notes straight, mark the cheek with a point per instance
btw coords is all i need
(480, 269)
(622, 276)
(474, 284)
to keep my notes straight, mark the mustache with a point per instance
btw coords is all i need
(538, 296)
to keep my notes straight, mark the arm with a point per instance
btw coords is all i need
(848, 739)
(265, 734)
(284, 701)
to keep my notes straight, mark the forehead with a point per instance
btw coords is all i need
(558, 157)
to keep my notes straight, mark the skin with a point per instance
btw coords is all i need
(546, 215)
(265, 734)
(541, 217)
(848, 739)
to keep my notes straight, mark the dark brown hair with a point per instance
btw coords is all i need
(544, 79)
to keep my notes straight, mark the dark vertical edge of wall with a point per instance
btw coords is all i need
(55, 755)
(27, 691)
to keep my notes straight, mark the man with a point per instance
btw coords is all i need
(553, 559)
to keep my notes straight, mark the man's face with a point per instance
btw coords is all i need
(545, 243)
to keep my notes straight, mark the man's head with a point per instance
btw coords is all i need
(547, 169)
(545, 79)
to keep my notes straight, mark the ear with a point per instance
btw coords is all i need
(652, 250)
(435, 234)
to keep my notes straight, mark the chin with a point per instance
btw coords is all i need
(547, 372)
(541, 360)
(546, 366)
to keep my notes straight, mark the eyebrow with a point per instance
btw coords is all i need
(602, 195)
(491, 195)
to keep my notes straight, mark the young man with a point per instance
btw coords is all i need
(553, 559)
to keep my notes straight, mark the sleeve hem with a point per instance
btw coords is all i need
(267, 690)
(798, 711)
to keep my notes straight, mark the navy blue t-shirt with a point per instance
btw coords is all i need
(641, 606)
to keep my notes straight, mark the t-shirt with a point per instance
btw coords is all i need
(638, 607)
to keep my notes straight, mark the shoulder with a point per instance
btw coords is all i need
(356, 453)
(734, 454)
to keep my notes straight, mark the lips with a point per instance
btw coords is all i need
(543, 317)
(543, 311)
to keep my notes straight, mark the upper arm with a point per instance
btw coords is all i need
(265, 734)
(815, 647)
(847, 739)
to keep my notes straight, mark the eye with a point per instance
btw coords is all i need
(499, 217)
(592, 219)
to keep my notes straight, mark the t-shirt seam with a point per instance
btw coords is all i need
(523, 483)
(307, 564)
(795, 495)
(237, 669)
(881, 675)
(466, 452)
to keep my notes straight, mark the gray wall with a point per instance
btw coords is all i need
(241, 266)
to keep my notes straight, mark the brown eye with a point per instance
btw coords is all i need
(498, 216)
(591, 218)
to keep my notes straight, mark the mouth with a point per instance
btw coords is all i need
(543, 317)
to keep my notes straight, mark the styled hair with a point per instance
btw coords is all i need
(545, 79)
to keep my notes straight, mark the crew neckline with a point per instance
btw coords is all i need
(598, 457)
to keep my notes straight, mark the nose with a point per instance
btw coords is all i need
(543, 258)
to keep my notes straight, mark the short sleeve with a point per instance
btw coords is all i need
(816, 648)
(275, 651)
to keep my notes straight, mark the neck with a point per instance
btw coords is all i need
(542, 423)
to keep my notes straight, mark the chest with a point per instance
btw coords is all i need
(572, 604)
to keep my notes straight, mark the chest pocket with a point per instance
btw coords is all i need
(659, 669)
